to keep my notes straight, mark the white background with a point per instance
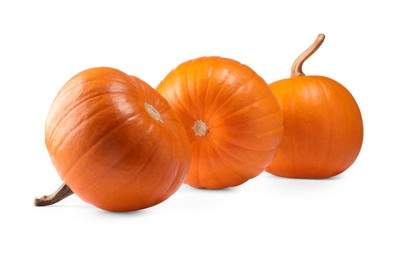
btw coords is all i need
(356, 215)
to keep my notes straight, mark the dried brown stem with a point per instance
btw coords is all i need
(298, 63)
(61, 193)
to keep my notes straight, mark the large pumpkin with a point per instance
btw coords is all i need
(233, 121)
(115, 141)
(323, 127)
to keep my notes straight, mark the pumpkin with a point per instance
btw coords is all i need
(232, 120)
(323, 127)
(115, 142)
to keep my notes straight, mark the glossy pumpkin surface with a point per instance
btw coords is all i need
(323, 126)
(115, 141)
(232, 119)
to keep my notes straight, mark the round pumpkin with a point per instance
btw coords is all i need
(115, 141)
(323, 126)
(232, 119)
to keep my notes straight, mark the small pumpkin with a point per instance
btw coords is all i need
(323, 126)
(115, 142)
(232, 120)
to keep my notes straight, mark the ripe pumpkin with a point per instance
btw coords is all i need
(233, 121)
(115, 142)
(323, 127)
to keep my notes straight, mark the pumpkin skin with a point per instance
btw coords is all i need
(323, 126)
(109, 144)
(232, 119)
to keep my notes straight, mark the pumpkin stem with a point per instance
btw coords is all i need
(200, 128)
(61, 193)
(298, 63)
(153, 112)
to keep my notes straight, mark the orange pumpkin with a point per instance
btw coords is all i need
(115, 142)
(233, 121)
(323, 127)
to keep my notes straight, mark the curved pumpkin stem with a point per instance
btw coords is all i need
(298, 63)
(61, 193)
